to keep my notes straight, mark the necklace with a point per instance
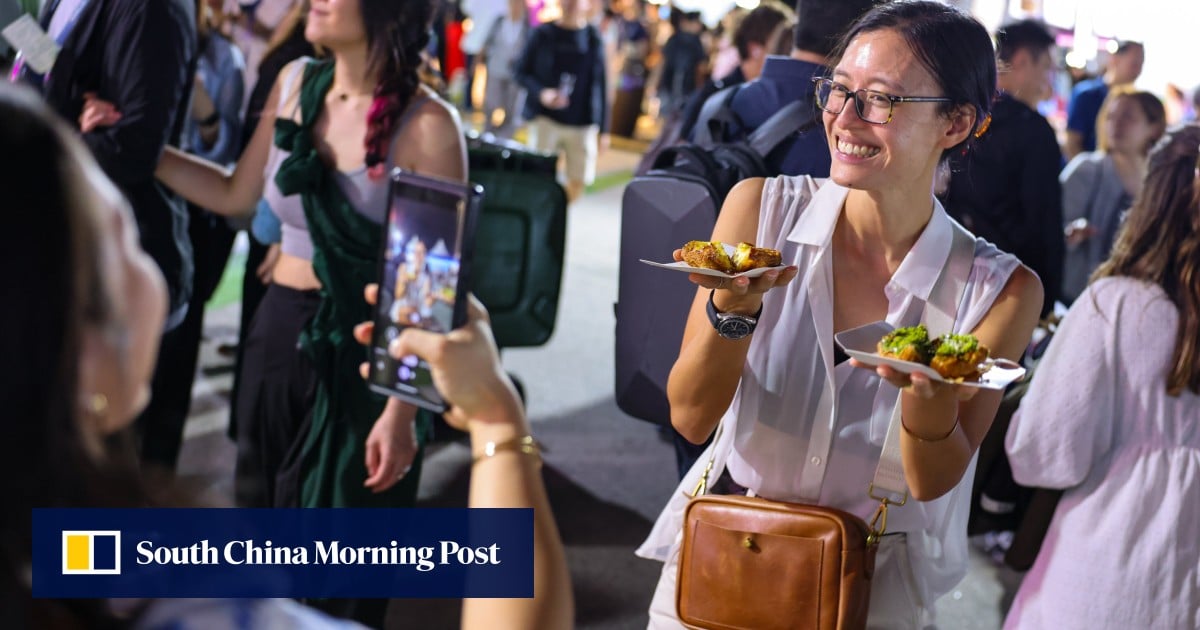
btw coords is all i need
(345, 96)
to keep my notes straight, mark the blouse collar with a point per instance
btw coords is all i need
(921, 266)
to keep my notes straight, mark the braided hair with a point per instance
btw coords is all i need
(397, 32)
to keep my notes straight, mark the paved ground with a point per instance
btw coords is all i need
(608, 475)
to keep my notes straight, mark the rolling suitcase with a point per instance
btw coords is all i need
(675, 202)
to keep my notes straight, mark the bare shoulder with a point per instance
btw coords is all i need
(1025, 287)
(738, 219)
(1012, 317)
(288, 79)
(432, 139)
(433, 115)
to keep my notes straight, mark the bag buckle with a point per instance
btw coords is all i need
(878, 523)
(703, 484)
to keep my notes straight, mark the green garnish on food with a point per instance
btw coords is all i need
(901, 338)
(954, 345)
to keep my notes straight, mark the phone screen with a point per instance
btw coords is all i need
(422, 280)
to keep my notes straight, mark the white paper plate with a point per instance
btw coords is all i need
(860, 343)
(729, 249)
(682, 266)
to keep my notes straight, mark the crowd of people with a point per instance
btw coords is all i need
(165, 126)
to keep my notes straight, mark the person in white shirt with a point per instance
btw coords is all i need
(1113, 418)
(915, 83)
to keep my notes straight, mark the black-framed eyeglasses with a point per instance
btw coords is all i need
(872, 106)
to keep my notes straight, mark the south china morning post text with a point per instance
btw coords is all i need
(240, 552)
(283, 553)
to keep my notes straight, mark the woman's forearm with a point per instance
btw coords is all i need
(707, 373)
(511, 478)
(934, 449)
(201, 182)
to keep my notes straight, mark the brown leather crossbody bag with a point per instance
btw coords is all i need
(814, 562)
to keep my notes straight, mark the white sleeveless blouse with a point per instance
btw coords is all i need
(801, 429)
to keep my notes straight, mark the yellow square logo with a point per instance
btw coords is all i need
(91, 553)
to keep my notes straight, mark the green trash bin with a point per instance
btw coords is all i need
(520, 241)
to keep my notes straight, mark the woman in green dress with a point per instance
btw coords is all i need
(310, 432)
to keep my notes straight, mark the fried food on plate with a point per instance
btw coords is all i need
(958, 356)
(712, 255)
(707, 255)
(749, 257)
(910, 343)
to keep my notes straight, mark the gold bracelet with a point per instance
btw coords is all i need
(928, 440)
(525, 444)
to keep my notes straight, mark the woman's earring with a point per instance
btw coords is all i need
(97, 404)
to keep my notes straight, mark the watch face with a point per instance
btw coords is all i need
(735, 328)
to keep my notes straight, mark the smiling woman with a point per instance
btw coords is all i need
(870, 243)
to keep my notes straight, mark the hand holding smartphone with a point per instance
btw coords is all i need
(424, 277)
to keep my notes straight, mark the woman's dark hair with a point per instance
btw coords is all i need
(951, 45)
(1160, 243)
(760, 26)
(397, 32)
(821, 23)
(49, 244)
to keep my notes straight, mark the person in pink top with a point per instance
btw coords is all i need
(1113, 418)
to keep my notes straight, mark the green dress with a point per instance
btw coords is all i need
(346, 245)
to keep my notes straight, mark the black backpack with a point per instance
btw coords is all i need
(675, 202)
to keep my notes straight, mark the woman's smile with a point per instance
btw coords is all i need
(848, 148)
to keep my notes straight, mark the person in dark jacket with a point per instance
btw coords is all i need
(756, 37)
(139, 55)
(563, 70)
(1006, 189)
(785, 80)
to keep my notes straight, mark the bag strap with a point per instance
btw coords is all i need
(950, 289)
(797, 117)
(716, 118)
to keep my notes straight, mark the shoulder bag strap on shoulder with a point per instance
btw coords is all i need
(947, 293)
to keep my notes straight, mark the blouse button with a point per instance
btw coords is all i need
(816, 461)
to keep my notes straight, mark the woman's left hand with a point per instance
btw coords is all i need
(918, 384)
(391, 446)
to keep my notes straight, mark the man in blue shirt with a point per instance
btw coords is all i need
(1087, 98)
(820, 25)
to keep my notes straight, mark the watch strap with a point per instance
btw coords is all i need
(714, 315)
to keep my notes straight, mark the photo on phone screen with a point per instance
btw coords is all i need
(423, 279)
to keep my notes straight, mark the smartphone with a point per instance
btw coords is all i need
(424, 276)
